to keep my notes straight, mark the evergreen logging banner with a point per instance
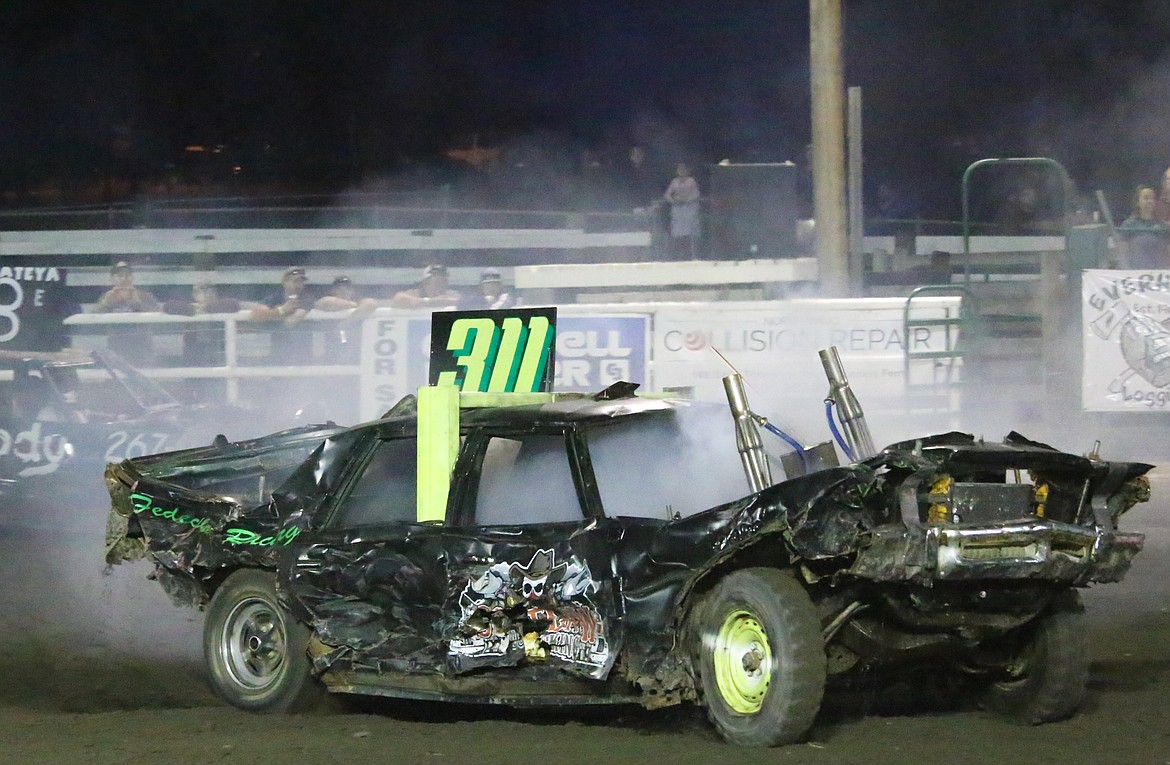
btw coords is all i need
(1126, 330)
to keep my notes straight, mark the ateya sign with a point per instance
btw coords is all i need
(31, 273)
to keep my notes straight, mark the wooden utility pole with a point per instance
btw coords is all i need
(856, 172)
(828, 146)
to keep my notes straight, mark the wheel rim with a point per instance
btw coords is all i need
(743, 662)
(253, 644)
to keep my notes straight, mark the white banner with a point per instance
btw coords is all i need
(773, 344)
(1126, 330)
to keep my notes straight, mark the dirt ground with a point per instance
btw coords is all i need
(97, 666)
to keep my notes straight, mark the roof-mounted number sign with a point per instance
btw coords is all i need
(507, 351)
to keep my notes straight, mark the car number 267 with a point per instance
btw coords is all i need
(122, 445)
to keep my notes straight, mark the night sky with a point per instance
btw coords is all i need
(330, 92)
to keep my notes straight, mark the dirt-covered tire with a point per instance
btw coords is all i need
(1048, 672)
(759, 657)
(254, 650)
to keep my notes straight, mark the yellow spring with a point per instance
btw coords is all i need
(938, 514)
(1040, 497)
(939, 510)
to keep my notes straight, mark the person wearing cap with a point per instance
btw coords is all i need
(343, 296)
(290, 304)
(432, 291)
(492, 294)
(123, 296)
(286, 310)
(133, 342)
(204, 344)
(341, 346)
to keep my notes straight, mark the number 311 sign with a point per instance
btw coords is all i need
(507, 351)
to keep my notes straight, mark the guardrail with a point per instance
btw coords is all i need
(232, 326)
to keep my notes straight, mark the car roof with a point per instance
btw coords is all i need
(562, 411)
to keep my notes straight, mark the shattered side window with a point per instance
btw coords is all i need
(525, 480)
(386, 490)
(667, 465)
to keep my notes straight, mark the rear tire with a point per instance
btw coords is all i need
(760, 658)
(255, 651)
(1048, 673)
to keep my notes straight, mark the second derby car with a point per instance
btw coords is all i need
(573, 549)
(64, 414)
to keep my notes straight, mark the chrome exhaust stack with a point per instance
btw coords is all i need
(747, 435)
(848, 408)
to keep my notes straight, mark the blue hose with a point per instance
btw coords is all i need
(836, 433)
(790, 441)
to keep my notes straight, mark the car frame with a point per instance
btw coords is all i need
(934, 552)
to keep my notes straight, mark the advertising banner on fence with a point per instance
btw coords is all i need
(672, 346)
(1126, 330)
(592, 352)
(33, 306)
(775, 346)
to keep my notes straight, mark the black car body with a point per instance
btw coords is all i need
(606, 549)
(64, 415)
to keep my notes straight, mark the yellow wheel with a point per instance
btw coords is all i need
(759, 657)
(743, 662)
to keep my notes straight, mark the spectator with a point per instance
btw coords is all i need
(492, 294)
(341, 345)
(639, 187)
(640, 193)
(290, 304)
(134, 342)
(1146, 239)
(683, 197)
(343, 296)
(203, 343)
(123, 296)
(286, 308)
(204, 299)
(1164, 198)
(431, 292)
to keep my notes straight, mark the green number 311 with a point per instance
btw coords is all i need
(499, 358)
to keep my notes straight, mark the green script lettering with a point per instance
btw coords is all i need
(238, 536)
(143, 503)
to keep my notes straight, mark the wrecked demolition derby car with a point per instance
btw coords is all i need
(585, 549)
(65, 414)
